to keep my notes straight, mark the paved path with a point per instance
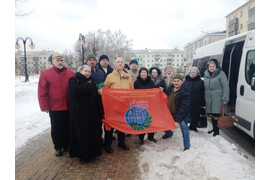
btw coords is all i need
(37, 161)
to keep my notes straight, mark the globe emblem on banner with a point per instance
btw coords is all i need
(138, 118)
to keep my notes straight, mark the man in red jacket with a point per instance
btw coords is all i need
(53, 98)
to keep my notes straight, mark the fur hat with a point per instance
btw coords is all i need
(126, 66)
(103, 57)
(178, 76)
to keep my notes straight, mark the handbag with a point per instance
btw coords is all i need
(202, 120)
(225, 121)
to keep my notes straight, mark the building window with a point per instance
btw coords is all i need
(44, 57)
(241, 13)
(241, 26)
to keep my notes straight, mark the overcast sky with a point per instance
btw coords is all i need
(56, 25)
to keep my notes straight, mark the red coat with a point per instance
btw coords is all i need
(53, 89)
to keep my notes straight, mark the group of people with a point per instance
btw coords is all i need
(73, 101)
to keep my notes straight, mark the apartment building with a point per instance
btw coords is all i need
(157, 57)
(37, 61)
(241, 20)
(203, 40)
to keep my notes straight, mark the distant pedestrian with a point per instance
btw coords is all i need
(195, 83)
(216, 92)
(178, 103)
(168, 75)
(85, 110)
(144, 82)
(156, 76)
(53, 97)
(26, 78)
(133, 72)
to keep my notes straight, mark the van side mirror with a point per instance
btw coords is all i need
(253, 84)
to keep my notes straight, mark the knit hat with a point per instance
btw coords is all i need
(133, 61)
(103, 57)
(143, 68)
(194, 69)
(178, 76)
(90, 56)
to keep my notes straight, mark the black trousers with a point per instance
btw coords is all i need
(108, 137)
(60, 129)
(214, 123)
(150, 136)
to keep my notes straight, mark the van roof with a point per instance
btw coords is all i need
(216, 47)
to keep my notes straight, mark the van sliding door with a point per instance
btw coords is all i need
(230, 65)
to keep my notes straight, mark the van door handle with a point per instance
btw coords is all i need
(242, 90)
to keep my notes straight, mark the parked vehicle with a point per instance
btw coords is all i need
(236, 56)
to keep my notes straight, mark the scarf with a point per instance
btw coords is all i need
(169, 77)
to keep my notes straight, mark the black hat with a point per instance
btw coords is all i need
(133, 61)
(126, 66)
(143, 68)
(103, 57)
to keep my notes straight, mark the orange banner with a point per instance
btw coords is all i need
(136, 111)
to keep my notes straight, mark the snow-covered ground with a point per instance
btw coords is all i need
(29, 120)
(209, 158)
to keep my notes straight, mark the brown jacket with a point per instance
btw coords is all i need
(115, 81)
(166, 79)
(134, 74)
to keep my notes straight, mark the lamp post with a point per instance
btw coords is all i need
(81, 42)
(32, 46)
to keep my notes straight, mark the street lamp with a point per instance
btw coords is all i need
(81, 42)
(32, 46)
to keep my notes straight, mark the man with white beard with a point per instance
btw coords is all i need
(53, 97)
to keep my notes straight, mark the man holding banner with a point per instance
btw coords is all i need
(133, 111)
(118, 79)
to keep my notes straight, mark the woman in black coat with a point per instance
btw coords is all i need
(196, 85)
(144, 82)
(156, 77)
(84, 111)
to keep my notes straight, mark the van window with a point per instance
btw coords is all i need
(250, 66)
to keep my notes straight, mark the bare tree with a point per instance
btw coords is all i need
(21, 13)
(113, 44)
(95, 41)
(68, 58)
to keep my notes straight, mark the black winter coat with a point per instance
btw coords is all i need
(159, 81)
(143, 84)
(85, 107)
(196, 86)
(182, 103)
(109, 70)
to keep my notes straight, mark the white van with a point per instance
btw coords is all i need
(236, 56)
